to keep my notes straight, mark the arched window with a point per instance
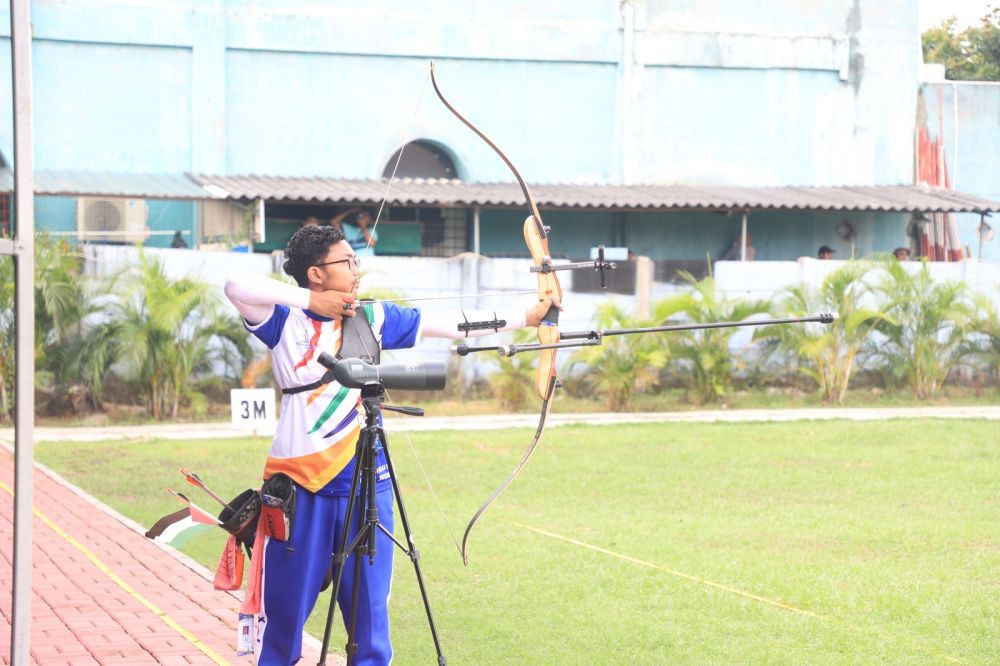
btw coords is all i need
(421, 159)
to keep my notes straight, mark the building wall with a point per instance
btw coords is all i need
(649, 91)
(597, 90)
(967, 116)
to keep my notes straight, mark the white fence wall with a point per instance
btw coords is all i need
(467, 274)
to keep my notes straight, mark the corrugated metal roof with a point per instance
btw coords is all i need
(114, 184)
(430, 192)
(436, 192)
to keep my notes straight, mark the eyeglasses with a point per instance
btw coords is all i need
(352, 262)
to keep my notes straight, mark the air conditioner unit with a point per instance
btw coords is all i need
(111, 220)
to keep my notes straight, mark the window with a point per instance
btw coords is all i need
(421, 159)
(443, 231)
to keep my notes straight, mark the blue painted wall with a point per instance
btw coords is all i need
(650, 91)
(170, 216)
(56, 214)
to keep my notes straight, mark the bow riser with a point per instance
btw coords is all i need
(548, 287)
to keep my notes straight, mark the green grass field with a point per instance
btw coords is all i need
(809, 542)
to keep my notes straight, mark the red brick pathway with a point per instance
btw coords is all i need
(97, 612)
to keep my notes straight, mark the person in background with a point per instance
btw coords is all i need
(901, 253)
(733, 253)
(356, 223)
(177, 241)
(825, 252)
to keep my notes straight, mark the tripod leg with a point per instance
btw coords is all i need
(340, 551)
(412, 550)
(372, 587)
(358, 547)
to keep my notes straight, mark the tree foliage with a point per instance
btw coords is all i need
(513, 383)
(59, 310)
(827, 354)
(623, 365)
(704, 356)
(172, 333)
(926, 325)
(972, 54)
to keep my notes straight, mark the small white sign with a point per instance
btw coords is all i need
(253, 409)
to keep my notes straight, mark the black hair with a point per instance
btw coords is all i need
(307, 247)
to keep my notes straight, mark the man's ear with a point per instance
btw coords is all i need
(313, 275)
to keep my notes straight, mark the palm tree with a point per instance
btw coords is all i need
(705, 354)
(513, 383)
(926, 326)
(827, 353)
(60, 306)
(173, 332)
(622, 365)
(986, 348)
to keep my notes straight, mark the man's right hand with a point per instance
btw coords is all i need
(332, 304)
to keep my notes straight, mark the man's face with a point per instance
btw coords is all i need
(826, 255)
(337, 271)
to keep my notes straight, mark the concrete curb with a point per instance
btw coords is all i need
(173, 431)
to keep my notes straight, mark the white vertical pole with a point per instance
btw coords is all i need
(743, 237)
(24, 313)
(476, 239)
(644, 270)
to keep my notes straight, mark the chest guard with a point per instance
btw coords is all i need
(357, 340)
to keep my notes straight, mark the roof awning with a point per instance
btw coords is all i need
(455, 193)
(176, 186)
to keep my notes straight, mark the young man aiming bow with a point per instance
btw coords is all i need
(319, 425)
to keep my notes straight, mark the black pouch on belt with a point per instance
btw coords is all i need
(241, 519)
(278, 510)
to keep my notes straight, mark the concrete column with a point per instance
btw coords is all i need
(476, 252)
(644, 270)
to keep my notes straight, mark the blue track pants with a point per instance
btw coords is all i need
(294, 572)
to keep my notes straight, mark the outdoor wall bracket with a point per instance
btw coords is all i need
(11, 248)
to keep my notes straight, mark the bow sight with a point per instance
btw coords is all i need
(599, 265)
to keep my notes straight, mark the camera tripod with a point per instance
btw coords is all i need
(361, 502)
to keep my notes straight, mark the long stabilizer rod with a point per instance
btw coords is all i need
(594, 337)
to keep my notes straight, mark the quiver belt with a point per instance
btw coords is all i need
(357, 340)
(241, 519)
(278, 506)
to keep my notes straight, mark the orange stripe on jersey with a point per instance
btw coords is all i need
(318, 392)
(315, 470)
(317, 325)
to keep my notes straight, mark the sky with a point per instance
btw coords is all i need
(968, 12)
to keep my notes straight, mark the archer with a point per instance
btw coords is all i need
(318, 430)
